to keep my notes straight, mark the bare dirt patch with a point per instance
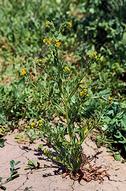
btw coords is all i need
(43, 177)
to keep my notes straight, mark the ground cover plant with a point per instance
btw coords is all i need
(63, 74)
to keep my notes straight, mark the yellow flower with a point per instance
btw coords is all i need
(32, 124)
(69, 24)
(40, 123)
(47, 23)
(110, 99)
(23, 72)
(47, 41)
(83, 92)
(66, 69)
(58, 43)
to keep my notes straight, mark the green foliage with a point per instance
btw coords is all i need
(66, 139)
(2, 143)
(67, 144)
(62, 72)
(32, 164)
(13, 170)
(114, 120)
(102, 26)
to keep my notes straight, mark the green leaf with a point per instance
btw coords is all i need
(123, 121)
(117, 156)
(2, 143)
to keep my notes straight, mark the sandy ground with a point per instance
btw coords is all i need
(43, 179)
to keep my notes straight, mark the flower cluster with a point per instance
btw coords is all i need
(48, 41)
(83, 92)
(23, 71)
(58, 43)
(110, 99)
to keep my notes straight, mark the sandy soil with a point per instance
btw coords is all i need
(43, 179)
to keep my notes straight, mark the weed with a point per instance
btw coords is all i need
(13, 170)
(62, 73)
(32, 164)
(2, 143)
